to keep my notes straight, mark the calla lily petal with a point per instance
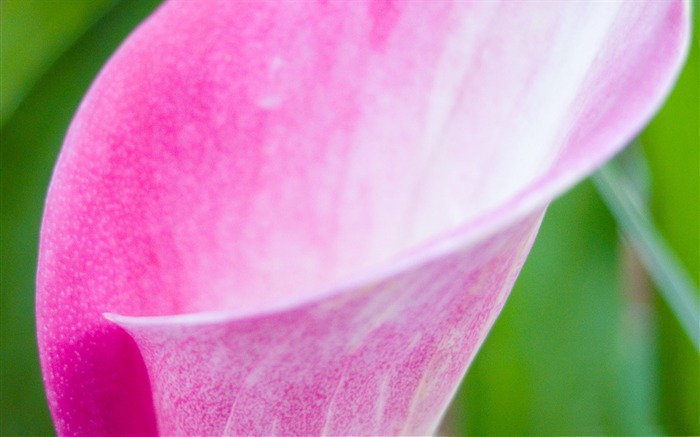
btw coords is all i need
(303, 218)
(380, 358)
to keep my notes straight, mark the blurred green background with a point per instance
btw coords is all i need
(584, 345)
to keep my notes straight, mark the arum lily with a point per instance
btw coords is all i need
(290, 218)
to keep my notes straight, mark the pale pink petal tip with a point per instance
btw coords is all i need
(303, 218)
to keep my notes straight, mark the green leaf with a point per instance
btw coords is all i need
(33, 34)
(674, 284)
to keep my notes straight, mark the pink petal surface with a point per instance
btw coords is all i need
(307, 215)
(382, 358)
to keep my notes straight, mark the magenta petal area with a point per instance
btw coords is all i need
(380, 358)
(303, 217)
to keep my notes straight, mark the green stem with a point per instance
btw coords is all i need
(672, 281)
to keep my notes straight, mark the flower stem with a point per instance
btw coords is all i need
(633, 217)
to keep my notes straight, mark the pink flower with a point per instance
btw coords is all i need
(303, 218)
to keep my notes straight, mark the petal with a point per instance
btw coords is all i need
(383, 357)
(309, 170)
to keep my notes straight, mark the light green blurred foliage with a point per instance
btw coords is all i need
(672, 144)
(34, 34)
(574, 352)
